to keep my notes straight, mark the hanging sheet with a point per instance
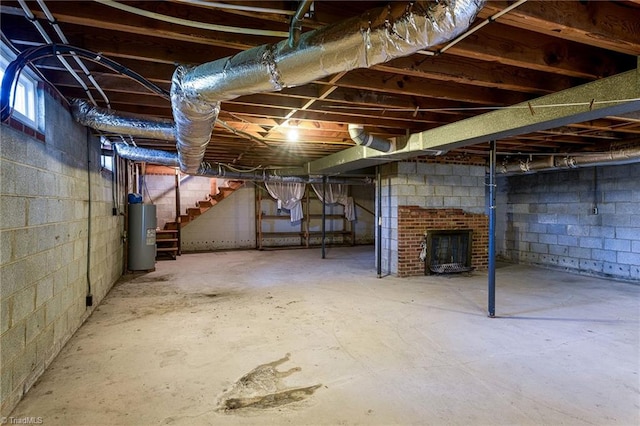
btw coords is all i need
(288, 196)
(337, 193)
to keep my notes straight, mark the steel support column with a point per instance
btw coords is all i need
(492, 230)
(324, 215)
(379, 221)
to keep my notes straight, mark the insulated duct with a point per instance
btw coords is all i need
(554, 162)
(120, 123)
(363, 138)
(377, 36)
(170, 159)
(154, 156)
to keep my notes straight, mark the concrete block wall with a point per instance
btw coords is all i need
(365, 223)
(230, 224)
(160, 189)
(44, 227)
(439, 184)
(547, 218)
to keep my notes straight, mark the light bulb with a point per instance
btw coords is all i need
(292, 134)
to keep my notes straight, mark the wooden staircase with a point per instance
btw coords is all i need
(168, 239)
(167, 244)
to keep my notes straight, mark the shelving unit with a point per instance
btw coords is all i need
(309, 229)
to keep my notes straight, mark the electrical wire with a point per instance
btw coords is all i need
(528, 107)
(35, 70)
(28, 56)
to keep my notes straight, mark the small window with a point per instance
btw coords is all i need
(106, 157)
(24, 97)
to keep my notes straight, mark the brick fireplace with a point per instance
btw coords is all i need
(447, 193)
(414, 221)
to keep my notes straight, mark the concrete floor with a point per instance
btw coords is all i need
(283, 337)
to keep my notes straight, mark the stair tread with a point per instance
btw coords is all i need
(166, 248)
(166, 240)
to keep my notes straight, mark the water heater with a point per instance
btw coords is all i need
(142, 237)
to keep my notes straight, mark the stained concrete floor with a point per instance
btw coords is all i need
(283, 337)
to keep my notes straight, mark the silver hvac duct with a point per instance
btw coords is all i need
(359, 136)
(120, 123)
(377, 36)
(154, 156)
(170, 159)
(554, 162)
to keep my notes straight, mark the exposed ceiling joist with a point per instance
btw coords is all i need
(619, 94)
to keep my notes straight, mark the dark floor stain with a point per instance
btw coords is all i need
(271, 400)
(154, 278)
(263, 388)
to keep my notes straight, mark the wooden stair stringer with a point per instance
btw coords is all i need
(202, 206)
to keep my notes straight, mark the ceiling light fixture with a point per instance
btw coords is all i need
(292, 134)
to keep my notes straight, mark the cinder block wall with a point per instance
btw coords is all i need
(43, 238)
(229, 224)
(160, 190)
(442, 184)
(548, 219)
(364, 197)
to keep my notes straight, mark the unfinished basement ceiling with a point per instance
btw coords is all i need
(536, 49)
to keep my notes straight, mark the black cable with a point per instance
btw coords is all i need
(33, 54)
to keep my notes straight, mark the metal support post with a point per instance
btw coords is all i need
(379, 224)
(324, 215)
(492, 230)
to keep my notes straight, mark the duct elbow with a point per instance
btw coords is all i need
(359, 136)
(194, 120)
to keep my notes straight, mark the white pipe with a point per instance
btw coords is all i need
(218, 5)
(31, 17)
(192, 24)
(63, 38)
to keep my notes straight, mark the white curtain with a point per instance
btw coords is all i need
(337, 193)
(288, 196)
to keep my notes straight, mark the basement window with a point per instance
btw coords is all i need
(106, 155)
(24, 96)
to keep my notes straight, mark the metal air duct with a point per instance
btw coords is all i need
(170, 159)
(363, 138)
(377, 36)
(555, 162)
(120, 123)
(154, 156)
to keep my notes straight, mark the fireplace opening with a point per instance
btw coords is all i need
(447, 251)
